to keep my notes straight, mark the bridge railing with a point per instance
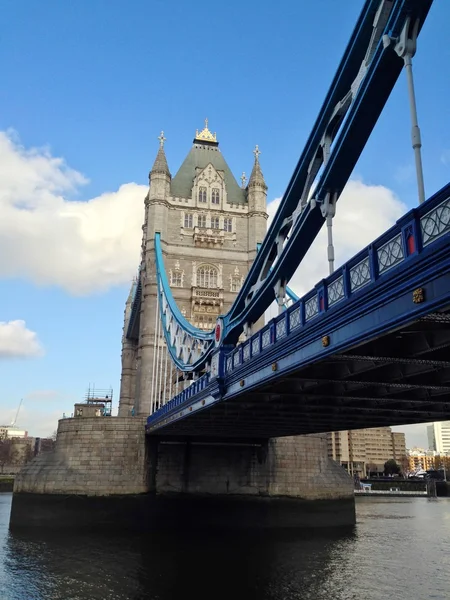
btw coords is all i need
(192, 390)
(409, 237)
(412, 235)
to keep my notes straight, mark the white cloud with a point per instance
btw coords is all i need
(363, 212)
(16, 341)
(83, 247)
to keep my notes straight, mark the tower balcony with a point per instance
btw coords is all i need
(206, 237)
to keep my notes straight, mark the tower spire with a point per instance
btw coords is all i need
(256, 177)
(160, 165)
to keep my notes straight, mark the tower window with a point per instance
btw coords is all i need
(215, 196)
(235, 284)
(215, 223)
(228, 224)
(202, 194)
(201, 220)
(176, 280)
(176, 275)
(188, 220)
(207, 277)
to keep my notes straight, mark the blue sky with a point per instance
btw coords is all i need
(86, 89)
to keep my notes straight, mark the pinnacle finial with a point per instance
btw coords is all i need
(161, 139)
(205, 134)
(243, 179)
(256, 177)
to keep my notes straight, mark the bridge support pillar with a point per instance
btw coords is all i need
(284, 482)
(104, 472)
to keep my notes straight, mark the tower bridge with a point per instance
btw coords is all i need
(222, 415)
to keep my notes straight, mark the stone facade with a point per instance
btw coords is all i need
(92, 456)
(210, 228)
(294, 467)
(103, 473)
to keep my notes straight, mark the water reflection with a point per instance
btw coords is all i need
(395, 551)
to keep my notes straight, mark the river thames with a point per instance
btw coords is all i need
(399, 549)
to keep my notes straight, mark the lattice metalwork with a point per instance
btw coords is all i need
(436, 222)
(336, 291)
(390, 254)
(311, 308)
(246, 352)
(360, 274)
(255, 346)
(265, 338)
(236, 359)
(294, 319)
(229, 364)
(281, 329)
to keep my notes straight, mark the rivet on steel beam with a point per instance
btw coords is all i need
(419, 296)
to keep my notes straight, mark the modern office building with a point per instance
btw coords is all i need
(366, 450)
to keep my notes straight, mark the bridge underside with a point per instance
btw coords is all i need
(399, 378)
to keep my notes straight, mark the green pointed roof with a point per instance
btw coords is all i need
(200, 156)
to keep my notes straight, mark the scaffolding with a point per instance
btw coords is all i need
(101, 397)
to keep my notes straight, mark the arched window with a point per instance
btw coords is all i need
(201, 220)
(207, 276)
(215, 196)
(214, 222)
(202, 194)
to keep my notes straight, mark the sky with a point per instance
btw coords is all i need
(86, 89)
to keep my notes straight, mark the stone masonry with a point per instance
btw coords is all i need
(107, 456)
(210, 227)
(92, 456)
(294, 467)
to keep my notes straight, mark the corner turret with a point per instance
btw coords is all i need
(257, 201)
(159, 176)
(257, 188)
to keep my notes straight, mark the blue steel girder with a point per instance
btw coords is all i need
(393, 283)
(364, 80)
(189, 347)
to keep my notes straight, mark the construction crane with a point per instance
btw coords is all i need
(17, 413)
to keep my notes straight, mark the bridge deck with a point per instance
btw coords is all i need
(372, 351)
(402, 377)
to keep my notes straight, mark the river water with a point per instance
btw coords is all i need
(399, 549)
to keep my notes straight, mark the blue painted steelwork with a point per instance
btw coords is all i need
(189, 346)
(414, 253)
(363, 82)
(348, 118)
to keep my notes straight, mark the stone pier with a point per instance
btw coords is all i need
(104, 473)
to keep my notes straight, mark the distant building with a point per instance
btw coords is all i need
(366, 450)
(424, 460)
(439, 437)
(9, 431)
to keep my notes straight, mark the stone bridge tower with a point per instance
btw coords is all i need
(210, 227)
